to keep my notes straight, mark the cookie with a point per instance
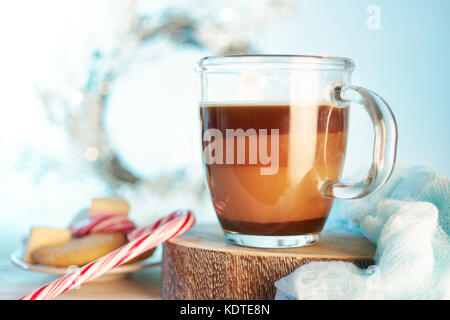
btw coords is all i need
(41, 237)
(108, 206)
(81, 251)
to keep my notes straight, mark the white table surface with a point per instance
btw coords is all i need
(15, 282)
(145, 284)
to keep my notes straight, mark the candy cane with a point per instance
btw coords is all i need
(180, 222)
(102, 224)
(139, 232)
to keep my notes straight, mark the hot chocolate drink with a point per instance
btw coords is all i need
(266, 164)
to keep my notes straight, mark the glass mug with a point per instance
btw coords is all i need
(274, 135)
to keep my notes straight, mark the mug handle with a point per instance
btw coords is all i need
(385, 145)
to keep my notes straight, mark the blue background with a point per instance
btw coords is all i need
(406, 61)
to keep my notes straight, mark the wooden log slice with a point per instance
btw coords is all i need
(200, 264)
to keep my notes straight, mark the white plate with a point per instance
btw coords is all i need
(118, 272)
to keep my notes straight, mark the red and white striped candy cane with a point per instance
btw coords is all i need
(181, 221)
(102, 224)
(139, 232)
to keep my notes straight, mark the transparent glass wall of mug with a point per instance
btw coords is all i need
(274, 136)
